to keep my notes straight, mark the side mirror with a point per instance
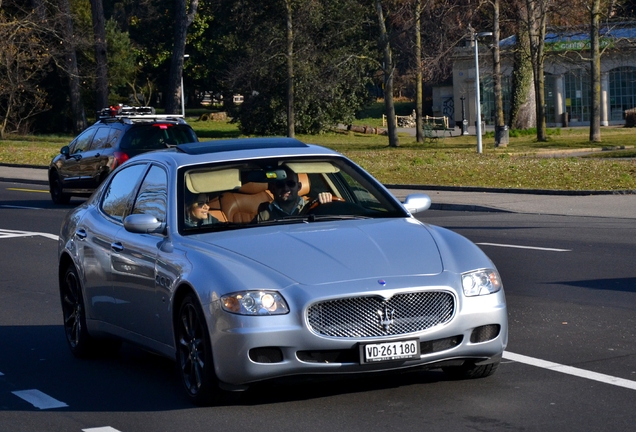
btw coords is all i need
(66, 151)
(416, 203)
(143, 224)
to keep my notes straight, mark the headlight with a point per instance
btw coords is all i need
(481, 282)
(255, 303)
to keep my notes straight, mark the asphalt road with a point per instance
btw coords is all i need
(570, 364)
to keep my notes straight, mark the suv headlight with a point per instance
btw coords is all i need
(255, 303)
(481, 282)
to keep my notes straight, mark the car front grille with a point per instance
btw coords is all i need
(373, 316)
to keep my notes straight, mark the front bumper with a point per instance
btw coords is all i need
(248, 349)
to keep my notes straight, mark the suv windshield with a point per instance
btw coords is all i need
(157, 136)
(278, 191)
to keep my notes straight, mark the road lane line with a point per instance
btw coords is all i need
(581, 373)
(100, 429)
(4, 233)
(21, 207)
(28, 190)
(525, 247)
(39, 399)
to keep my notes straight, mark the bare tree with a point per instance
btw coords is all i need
(388, 71)
(419, 133)
(290, 70)
(24, 59)
(535, 18)
(99, 31)
(184, 16)
(501, 139)
(71, 69)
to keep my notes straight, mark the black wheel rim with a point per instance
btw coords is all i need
(72, 309)
(191, 349)
(56, 188)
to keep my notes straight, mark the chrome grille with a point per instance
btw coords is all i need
(372, 316)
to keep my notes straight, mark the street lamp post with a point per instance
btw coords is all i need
(185, 56)
(476, 36)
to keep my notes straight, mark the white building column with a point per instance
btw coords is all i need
(559, 98)
(605, 108)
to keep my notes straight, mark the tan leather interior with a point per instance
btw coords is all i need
(304, 183)
(215, 209)
(242, 206)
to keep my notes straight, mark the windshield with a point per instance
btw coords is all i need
(280, 191)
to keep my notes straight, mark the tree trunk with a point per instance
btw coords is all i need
(536, 24)
(183, 20)
(501, 138)
(70, 57)
(595, 68)
(419, 132)
(290, 72)
(522, 111)
(388, 69)
(99, 31)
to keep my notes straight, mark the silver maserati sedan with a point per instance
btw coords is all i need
(254, 259)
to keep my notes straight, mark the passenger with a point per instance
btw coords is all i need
(286, 200)
(197, 213)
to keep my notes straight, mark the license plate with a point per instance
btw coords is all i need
(390, 351)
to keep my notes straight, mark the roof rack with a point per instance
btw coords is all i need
(118, 112)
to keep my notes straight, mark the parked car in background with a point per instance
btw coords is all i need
(184, 253)
(119, 134)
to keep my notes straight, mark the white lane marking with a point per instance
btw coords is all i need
(581, 373)
(525, 247)
(100, 429)
(21, 207)
(39, 399)
(4, 233)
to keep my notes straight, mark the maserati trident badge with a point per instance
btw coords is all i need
(386, 317)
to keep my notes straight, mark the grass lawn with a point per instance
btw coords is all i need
(452, 161)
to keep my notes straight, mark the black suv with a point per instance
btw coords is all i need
(119, 134)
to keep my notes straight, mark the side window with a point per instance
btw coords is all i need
(82, 142)
(120, 190)
(113, 137)
(101, 138)
(153, 196)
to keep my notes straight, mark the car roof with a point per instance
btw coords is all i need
(237, 149)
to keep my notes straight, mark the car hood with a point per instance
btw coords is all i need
(330, 252)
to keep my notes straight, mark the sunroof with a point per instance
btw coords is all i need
(205, 147)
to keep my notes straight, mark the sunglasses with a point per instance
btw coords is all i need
(202, 203)
(288, 183)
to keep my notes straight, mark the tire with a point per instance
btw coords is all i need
(194, 354)
(470, 371)
(55, 187)
(81, 344)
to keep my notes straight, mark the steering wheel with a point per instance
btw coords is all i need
(315, 203)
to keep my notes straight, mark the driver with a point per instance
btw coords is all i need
(286, 200)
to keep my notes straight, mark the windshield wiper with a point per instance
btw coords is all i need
(311, 218)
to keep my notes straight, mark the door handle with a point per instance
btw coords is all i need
(81, 234)
(117, 247)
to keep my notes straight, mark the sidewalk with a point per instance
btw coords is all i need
(575, 203)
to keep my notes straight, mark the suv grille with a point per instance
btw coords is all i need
(361, 317)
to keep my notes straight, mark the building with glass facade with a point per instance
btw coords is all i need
(567, 78)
